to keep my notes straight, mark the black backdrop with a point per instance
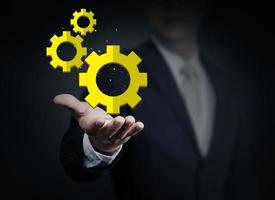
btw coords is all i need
(32, 126)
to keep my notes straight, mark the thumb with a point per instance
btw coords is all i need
(70, 102)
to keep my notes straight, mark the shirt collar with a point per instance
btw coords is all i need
(174, 60)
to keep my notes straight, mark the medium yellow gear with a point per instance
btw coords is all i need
(66, 38)
(130, 63)
(89, 16)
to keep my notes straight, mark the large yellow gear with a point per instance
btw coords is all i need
(80, 51)
(130, 63)
(89, 16)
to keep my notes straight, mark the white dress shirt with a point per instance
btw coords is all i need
(92, 157)
(197, 93)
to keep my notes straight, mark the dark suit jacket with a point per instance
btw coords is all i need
(163, 162)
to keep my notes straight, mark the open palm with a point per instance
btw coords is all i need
(106, 133)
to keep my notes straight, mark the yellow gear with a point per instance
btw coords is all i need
(89, 16)
(130, 63)
(80, 51)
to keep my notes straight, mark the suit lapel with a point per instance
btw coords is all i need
(161, 77)
(226, 111)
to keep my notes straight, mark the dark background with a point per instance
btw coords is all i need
(234, 34)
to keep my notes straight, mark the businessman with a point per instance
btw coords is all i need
(192, 129)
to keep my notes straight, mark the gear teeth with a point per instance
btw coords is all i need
(72, 21)
(143, 79)
(134, 58)
(79, 39)
(111, 108)
(83, 51)
(83, 32)
(48, 51)
(78, 63)
(66, 69)
(113, 49)
(75, 29)
(94, 22)
(83, 10)
(92, 57)
(134, 101)
(67, 34)
(83, 79)
(54, 64)
(54, 39)
(75, 13)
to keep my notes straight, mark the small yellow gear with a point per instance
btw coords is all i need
(66, 38)
(130, 63)
(89, 16)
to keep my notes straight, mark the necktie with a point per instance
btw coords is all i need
(196, 96)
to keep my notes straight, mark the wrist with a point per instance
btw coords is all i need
(103, 148)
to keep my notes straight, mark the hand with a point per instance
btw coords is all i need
(105, 132)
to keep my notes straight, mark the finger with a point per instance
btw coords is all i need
(124, 140)
(70, 102)
(135, 128)
(118, 142)
(112, 127)
(94, 126)
(121, 133)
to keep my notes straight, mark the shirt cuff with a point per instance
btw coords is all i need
(93, 158)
